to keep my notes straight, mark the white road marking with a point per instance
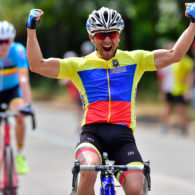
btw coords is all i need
(52, 138)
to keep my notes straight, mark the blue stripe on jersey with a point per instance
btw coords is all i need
(95, 83)
(121, 82)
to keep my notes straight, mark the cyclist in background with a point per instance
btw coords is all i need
(107, 79)
(192, 77)
(175, 88)
(14, 85)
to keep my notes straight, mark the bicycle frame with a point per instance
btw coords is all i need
(10, 179)
(107, 185)
(107, 178)
(9, 183)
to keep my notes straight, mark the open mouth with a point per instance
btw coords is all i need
(107, 48)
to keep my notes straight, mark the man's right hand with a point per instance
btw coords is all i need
(34, 18)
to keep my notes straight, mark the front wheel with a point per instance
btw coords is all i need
(10, 189)
(13, 192)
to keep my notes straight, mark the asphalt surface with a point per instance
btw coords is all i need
(50, 153)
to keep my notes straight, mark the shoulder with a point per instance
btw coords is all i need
(71, 63)
(17, 46)
(18, 49)
(90, 56)
(140, 53)
(138, 56)
(74, 60)
(133, 53)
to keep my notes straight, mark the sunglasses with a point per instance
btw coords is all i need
(6, 41)
(103, 35)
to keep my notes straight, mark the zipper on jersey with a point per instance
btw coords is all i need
(109, 92)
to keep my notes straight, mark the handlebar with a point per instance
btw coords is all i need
(111, 167)
(32, 115)
(145, 168)
(5, 114)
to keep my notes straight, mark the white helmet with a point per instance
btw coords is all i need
(104, 19)
(7, 30)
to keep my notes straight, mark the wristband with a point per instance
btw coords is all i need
(34, 24)
(192, 19)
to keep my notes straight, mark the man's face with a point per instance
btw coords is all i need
(106, 43)
(4, 48)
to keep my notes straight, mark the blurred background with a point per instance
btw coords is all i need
(148, 25)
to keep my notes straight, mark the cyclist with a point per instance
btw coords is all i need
(14, 85)
(192, 77)
(107, 80)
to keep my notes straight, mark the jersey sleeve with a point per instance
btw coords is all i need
(68, 67)
(21, 57)
(144, 59)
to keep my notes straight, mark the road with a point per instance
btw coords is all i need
(50, 153)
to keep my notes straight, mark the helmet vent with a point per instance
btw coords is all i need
(97, 15)
(113, 15)
(99, 25)
(93, 19)
(118, 18)
(106, 16)
(114, 24)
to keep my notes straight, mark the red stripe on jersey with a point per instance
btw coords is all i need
(97, 112)
(120, 113)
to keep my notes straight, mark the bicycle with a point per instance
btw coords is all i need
(107, 170)
(9, 182)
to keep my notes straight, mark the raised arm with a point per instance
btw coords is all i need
(46, 67)
(163, 57)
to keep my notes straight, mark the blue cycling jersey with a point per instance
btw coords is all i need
(10, 66)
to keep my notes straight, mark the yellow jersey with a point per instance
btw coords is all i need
(108, 87)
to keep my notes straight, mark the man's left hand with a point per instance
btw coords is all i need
(27, 109)
(190, 11)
